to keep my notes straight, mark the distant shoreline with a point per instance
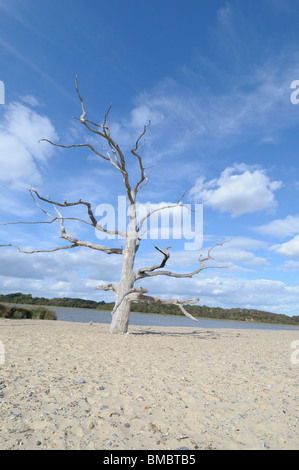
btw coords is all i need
(248, 315)
(157, 314)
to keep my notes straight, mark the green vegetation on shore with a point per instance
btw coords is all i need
(34, 313)
(239, 314)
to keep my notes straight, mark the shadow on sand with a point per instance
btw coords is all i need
(207, 334)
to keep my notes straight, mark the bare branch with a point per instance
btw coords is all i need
(135, 151)
(76, 145)
(41, 251)
(31, 223)
(101, 126)
(180, 303)
(74, 241)
(137, 294)
(38, 205)
(166, 254)
(120, 163)
(82, 117)
(106, 115)
(54, 219)
(107, 287)
(77, 242)
(144, 272)
(70, 204)
(182, 307)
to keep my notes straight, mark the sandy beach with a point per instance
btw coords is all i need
(74, 386)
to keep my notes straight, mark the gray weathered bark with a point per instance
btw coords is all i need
(120, 316)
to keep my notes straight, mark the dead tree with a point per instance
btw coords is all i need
(125, 290)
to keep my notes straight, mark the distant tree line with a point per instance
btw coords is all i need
(199, 311)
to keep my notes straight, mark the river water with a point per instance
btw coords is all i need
(102, 316)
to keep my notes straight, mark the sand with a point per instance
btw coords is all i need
(73, 386)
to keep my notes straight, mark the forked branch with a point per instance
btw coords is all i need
(152, 271)
(74, 242)
(91, 215)
(135, 152)
(166, 256)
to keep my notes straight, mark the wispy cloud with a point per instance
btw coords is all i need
(192, 120)
(14, 12)
(20, 56)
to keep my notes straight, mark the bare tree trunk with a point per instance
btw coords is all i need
(120, 317)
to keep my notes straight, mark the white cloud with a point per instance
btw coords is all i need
(290, 265)
(17, 164)
(281, 227)
(20, 153)
(289, 249)
(235, 254)
(238, 190)
(228, 255)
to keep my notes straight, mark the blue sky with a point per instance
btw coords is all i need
(215, 80)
